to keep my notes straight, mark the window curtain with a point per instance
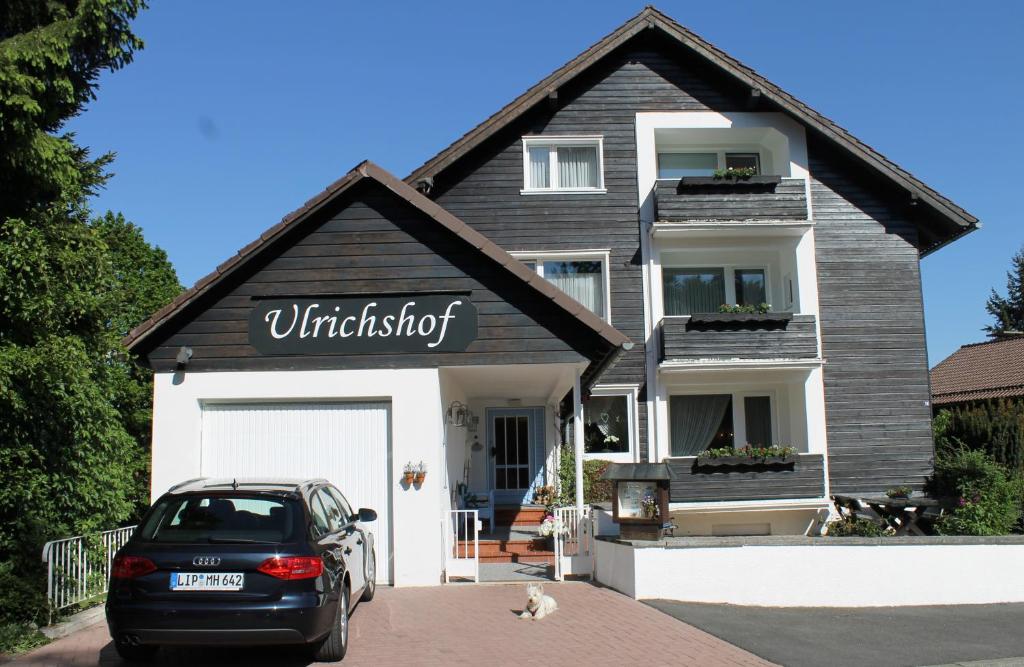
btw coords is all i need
(577, 167)
(694, 420)
(580, 280)
(758, 411)
(689, 291)
(539, 167)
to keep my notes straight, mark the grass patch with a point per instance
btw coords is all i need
(20, 637)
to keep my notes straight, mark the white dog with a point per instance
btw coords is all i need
(538, 605)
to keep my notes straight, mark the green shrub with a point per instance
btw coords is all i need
(595, 489)
(20, 637)
(995, 427)
(988, 496)
(859, 527)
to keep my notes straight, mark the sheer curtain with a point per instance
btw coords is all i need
(580, 280)
(689, 291)
(694, 420)
(577, 167)
(540, 167)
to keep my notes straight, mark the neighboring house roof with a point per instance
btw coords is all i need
(367, 170)
(994, 369)
(958, 221)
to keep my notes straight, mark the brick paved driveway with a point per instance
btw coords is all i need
(466, 625)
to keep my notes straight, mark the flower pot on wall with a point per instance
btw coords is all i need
(408, 477)
(418, 478)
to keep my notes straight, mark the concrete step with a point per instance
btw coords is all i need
(496, 548)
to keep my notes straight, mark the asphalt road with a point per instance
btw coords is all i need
(863, 637)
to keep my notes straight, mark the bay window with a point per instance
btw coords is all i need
(563, 164)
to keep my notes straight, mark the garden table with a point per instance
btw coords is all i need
(901, 514)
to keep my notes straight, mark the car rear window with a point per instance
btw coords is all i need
(219, 518)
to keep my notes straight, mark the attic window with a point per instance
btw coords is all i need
(563, 164)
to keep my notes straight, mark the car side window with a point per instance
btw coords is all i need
(346, 509)
(321, 524)
(333, 511)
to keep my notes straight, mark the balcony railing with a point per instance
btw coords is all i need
(738, 336)
(802, 478)
(760, 198)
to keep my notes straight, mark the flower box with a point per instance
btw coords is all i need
(731, 318)
(723, 461)
(759, 182)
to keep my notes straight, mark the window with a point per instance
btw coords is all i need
(346, 510)
(582, 275)
(205, 519)
(676, 165)
(606, 425)
(707, 421)
(687, 291)
(335, 517)
(563, 164)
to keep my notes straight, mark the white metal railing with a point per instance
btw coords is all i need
(462, 545)
(574, 542)
(73, 574)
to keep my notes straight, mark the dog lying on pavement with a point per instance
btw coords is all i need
(538, 605)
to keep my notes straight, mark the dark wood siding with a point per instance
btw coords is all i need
(785, 201)
(804, 479)
(872, 329)
(373, 243)
(795, 339)
(483, 189)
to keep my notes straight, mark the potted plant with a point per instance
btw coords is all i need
(900, 492)
(649, 506)
(748, 455)
(419, 473)
(408, 473)
(550, 527)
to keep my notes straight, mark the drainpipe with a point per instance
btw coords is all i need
(577, 428)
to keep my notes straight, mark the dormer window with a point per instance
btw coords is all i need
(675, 165)
(563, 164)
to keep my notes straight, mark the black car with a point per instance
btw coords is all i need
(242, 562)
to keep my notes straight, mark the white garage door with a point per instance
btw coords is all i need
(346, 443)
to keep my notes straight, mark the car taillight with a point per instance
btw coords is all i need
(130, 567)
(292, 567)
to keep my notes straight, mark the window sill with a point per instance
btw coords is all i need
(567, 191)
(615, 457)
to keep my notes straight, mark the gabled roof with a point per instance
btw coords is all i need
(959, 221)
(367, 170)
(980, 371)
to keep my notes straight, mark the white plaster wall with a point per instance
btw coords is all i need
(416, 434)
(746, 522)
(818, 576)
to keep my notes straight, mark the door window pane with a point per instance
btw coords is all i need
(678, 165)
(577, 167)
(758, 419)
(606, 424)
(688, 291)
(750, 287)
(743, 161)
(523, 439)
(539, 170)
(582, 281)
(334, 516)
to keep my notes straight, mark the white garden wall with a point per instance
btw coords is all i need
(829, 572)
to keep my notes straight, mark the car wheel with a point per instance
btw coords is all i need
(135, 652)
(371, 578)
(333, 647)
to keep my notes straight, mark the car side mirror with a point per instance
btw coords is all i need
(366, 514)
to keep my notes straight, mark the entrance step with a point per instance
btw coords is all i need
(525, 516)
(511, 551)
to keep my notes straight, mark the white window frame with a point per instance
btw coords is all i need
(728, 274)
(631, 392)
(595, 140)
(602, 255)
(718, 151)
(739, 412)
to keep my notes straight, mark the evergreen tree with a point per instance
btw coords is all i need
(1008, 311)
(72, 405)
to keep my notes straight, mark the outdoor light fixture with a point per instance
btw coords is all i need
(184, 354)
(456, 414)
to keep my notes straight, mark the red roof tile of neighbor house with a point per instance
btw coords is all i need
(993, 369)
(950, 222)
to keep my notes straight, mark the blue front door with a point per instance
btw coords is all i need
(515, 439)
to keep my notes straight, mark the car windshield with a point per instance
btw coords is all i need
(217, 518)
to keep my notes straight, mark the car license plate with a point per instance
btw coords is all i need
(207, 581)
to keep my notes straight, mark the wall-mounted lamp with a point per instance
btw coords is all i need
(184, 355)
(456, 414)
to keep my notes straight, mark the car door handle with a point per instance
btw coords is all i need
(348, 550)
(359, 541)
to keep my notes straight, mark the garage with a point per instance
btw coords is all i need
(344, 442)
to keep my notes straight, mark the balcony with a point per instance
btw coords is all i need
(804, 477)
(761, 198)
(738, 336)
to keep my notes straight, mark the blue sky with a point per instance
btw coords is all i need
(238, 112)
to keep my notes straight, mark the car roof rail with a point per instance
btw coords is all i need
(186, 483)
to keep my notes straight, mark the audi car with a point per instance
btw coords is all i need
(243, 562)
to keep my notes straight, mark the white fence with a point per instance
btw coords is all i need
(73, 575)
(462, 545)
(574, 542)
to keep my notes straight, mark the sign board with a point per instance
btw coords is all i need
(630, 496)
(363, 325)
